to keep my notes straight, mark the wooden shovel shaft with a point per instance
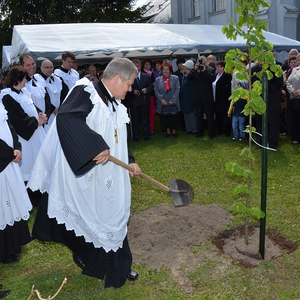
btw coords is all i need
(129, 168)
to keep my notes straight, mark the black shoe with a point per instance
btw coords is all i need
(4, 293)
(11, 259)
(133, 276)
(199, 135)
(167, 135)
(174, 135)
(79, 261)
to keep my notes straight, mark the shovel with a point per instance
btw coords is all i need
(182, 193)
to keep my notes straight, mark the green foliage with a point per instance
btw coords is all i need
(259, 51)
(18, 12)
(238, 170)
(241, 209)
(247, 153)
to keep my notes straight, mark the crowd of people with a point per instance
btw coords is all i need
(58, 129)
(196, 97)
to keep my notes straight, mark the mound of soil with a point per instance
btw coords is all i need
(164, 234)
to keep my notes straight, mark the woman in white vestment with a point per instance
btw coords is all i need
(24, 117)
(14, 201)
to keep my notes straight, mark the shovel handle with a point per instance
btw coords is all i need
(129, 168)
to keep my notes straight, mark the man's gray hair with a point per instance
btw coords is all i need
(293, 50)
(120, 66)
(46, 61)
(203, 58)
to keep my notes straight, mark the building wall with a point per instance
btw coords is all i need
(282, 16)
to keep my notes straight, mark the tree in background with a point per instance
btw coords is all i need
(108, 11)
(21, 12)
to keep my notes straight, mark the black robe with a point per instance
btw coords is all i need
(72, 130)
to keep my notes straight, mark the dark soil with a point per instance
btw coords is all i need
(164, 235)
(237, 236)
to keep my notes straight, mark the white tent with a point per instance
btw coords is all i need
(5, 57)
(121, 39)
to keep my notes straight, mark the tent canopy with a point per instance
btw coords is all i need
(5, 57)
(106, 39)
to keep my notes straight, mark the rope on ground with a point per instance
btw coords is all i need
(49, 298)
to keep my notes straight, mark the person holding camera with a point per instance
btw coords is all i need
(139, 102)
(203, 96)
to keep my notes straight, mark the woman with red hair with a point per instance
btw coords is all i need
(167, 89)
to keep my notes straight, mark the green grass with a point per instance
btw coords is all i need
(200, 162)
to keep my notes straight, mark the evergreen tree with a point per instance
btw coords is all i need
(19, 12)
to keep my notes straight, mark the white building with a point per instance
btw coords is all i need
(282, 16)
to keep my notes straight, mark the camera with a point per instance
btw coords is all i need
(200, 67)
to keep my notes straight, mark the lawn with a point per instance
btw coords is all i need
(200, 162)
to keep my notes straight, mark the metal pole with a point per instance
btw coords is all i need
(264, 167)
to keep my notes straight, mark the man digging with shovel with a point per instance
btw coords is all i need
(89, 197)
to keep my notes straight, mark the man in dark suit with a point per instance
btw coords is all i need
(274, 106)
(139, 102)
(203, 97)
(180, 73)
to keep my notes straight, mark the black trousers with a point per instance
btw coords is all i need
(169, 121)
(140, 115)
(223, 124)
(273, 128)
(208, 109)
(296, 126)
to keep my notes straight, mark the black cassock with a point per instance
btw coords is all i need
(71, 128)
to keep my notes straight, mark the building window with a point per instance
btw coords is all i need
(219, 5)
(196, 4)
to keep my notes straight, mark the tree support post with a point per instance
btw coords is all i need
(264, 167)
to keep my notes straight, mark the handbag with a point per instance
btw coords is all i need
(169, 110)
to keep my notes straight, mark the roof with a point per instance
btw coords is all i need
(158, 11)
(106, 39)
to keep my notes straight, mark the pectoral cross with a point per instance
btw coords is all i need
(116, 135)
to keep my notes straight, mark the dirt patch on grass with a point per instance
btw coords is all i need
(232, 242)
(184, 238)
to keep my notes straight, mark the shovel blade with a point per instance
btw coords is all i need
(182, 193)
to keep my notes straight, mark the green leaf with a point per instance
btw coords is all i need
(241, 189)
(256, 212)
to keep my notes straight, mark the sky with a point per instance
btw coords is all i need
(140, 2)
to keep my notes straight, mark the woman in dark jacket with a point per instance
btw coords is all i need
(222, 92)
(147, 68)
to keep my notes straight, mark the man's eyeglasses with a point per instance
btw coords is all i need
(48, 67)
